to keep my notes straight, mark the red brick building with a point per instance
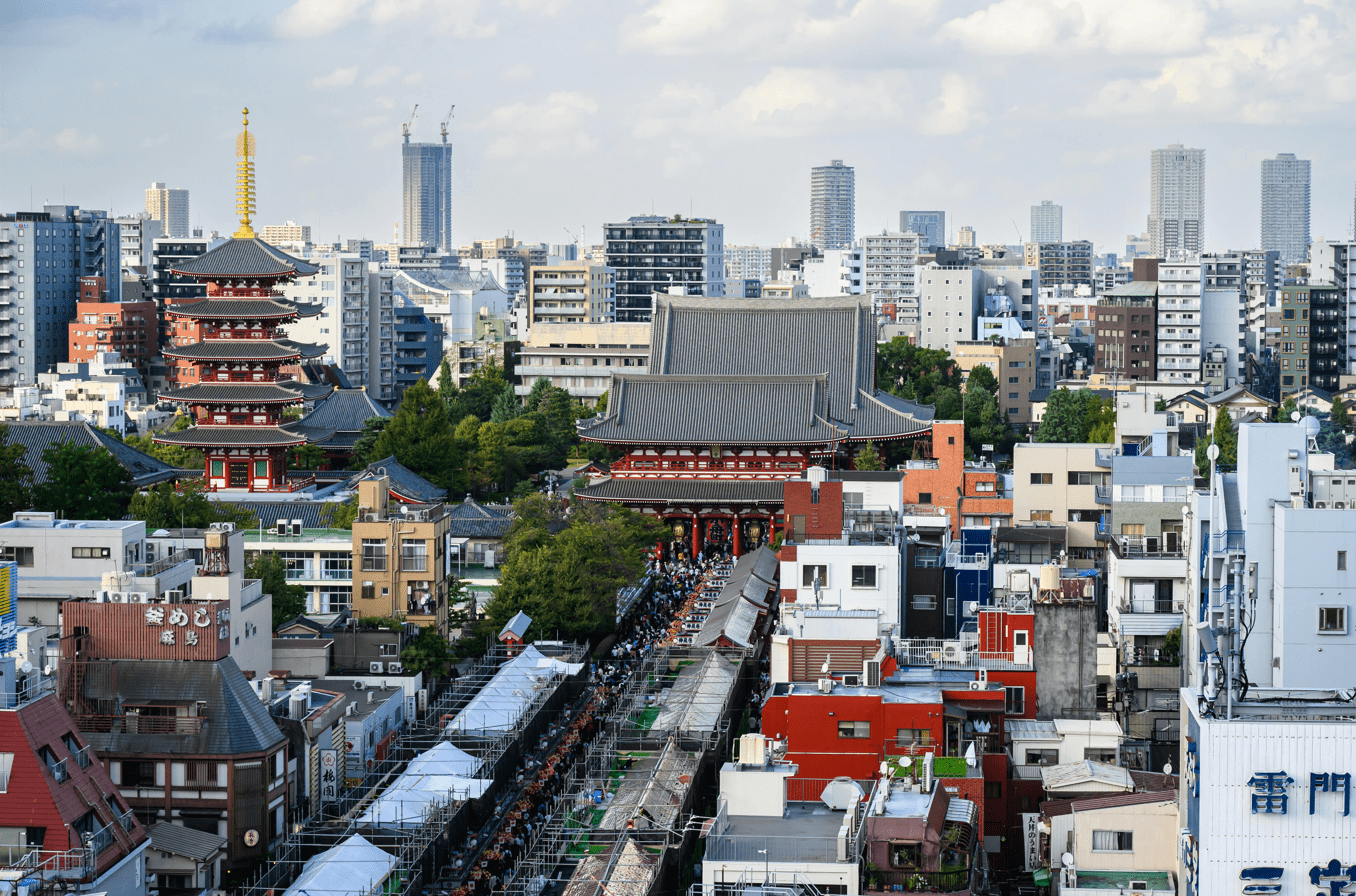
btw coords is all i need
(129, 328)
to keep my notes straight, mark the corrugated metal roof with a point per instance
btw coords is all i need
(1070, 773)
(1149, 624)
(1135, 289)
(685, 491)
(1052, 808)
(38, 436)
(182, 841)
(244, 257)
(1030, 729)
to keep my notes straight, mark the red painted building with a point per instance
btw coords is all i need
(741, 396)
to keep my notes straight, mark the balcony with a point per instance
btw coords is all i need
(1103, 494)
(956, 654)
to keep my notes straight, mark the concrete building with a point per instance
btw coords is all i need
(930, 227)
(418, 344)
(459, 301)
(1180, 286)
(1311, 348)
(1332, 264)
(1061, 263)
(833, 206)
(653, 254)
(1285, 207)
(136, 234)
(1271, 588)
(426, 194)
(1047, 222)
(1116, 842)
(1176, 200)
(1055, 485)
(1125, 331)
(169, 207)
(784, 289)
(43, 255)
(291, 232)
(1013, 364)
(748, 262)
(570, 293)
(966, 239)
(890, 272)
(949, 303)
(403, 558)
(132, 329)
(838, 272)
(580, 358)
(1224, 335)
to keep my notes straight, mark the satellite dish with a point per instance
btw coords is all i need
(25, 667)
(1066, 860)
(825, 668)
(1212, 452)
(1295, 416)
(1167, 768)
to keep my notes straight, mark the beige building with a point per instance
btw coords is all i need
(400, 557)
(291, 232)
(1055, 484)
(1123, 843)
(1013, 364)
(569, 293)
(580, 358)
(785, 289)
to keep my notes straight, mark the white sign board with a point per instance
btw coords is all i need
(329, 776)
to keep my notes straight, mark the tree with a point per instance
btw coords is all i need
(420, 436)
(867, 458)
(340, 515)
(1225, 437)
(428, 652)
(289, 601)
(1340, 418)
(1287, 408)
(1100, 419)
(981, 377)
(478, 394)
(601, 406)
(16, 479)
(1067, 416)
(1160, 404)
(446, 387)
(507, 406)
(365, 449)
(83, 483)
(165, 507)
(984, 425)
(306, 457)
(915, 373)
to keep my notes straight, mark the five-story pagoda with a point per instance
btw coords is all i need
(227, 352)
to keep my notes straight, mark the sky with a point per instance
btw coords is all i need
(573, 113)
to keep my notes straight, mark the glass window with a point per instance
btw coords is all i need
(1014, 701)
(19, 555)
(1113, 841)
(913, 737)
(863, 577)
(854, 729)
(6, 765)
(810, 573)
(374, 554)
(1041, 478)
(1332, 620)
(905, 855)
(925, 601)
(414, 555)
(1041, 516)
(1042, 757)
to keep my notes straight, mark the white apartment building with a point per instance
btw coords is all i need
(950, 300)
(291, 232)
(136, 237)
(570, 293)
(1180, 285)
(358, 320)
(1176, 200)
(170, 208)
(458, 300)
(890, 271)
(1047, 222)
(580, 358)
(833, 206)
(748, 262)
(837, 273)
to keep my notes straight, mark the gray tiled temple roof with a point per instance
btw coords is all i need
(344, 412)
(210, 436)
(244, 349)
(38, 436)
(245, 257)
(685, 491)
(282, 392)
(249, 309)
(406, 483)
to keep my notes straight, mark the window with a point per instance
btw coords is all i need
(6, 765)
(369, 592)
(1012, 380)
(984, 486)
(993, 790)
(1341, 559)
(138, 774)
(1042, 478)
(89, 553)
(1040, 516)
(925, 497)
(854, 729)
(1332, 620)
(863, 577)
(810, 573)
(21, 556)
(1042, 757)
(913, 737)
(905, 855)
(925, 601)
(1080, 478)
(374, 554)
(1134, 530)
(1098, 754)
(1014, 701)
(1113, 841)
(198, 773)
(413, 555)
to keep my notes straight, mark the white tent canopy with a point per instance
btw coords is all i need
(437, 775)
(353, 868)
(500, 705)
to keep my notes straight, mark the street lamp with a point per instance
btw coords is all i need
(766, 861)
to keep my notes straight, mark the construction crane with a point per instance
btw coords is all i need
(446, 120)
(405, 128)
(578, 240)
(1019, 231)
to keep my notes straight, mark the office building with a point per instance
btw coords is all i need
(1268, 646)
(1013, 364)
(426, 209)
(580, 358)
(653, 254)
(949, 303)
(1285, 207)
(505, 257)
(170, 208)
(1176, 200)
(136, 234)
(570, 293)
(1125, 331)
(129, 328)
(1047, 222)
(1332, 264)
(1061, 263)
(291, 232)
(833, 205)
(931, 226)
(43, 255)
(1311, 346)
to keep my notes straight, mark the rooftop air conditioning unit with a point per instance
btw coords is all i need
(395, 668)
(952, 651)
(137, 597)
(972, 608)
(117, 597)
(296, 528)
(977, 685)
(376, 668)
(826, 685)
(852, 681)
(282, 528)
(871, 673)
(349, 710)
(174, 597)
(359, 686)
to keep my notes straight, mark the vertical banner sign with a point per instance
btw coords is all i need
(1031, 840)
(329, 776)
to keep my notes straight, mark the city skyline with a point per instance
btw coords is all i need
(325, 91)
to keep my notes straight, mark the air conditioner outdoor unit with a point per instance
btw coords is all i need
(296, 528)
(137, 597)
(117, 597)
(359, 686)
(976, 685)
(852, 681)
(826, 685)
(871, 673)
(972, 608)
(282, 527)
(952, 651)
(376, 668)
(175, 597)
(394, 668)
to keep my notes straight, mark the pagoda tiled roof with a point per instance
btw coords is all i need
(685, 491)
(281, 392)
(345, 411)
(245, 257)
(37, 436)
(223, 436)
(251, 309)
(244, 350)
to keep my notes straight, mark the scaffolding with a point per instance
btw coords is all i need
(683, 692)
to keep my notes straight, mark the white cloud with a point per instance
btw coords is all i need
(314, 18)
(1066, 27)
(556, 127)
(518, 72)
(340, 77)
(381, 75)
(959, 106)
(73, 140)
(413, 78)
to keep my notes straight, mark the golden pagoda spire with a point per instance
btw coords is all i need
(244, 179)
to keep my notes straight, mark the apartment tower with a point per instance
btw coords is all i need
(1285, 207)
(833, 205)
(170, 208)
(1176, 200)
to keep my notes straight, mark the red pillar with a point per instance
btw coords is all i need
(735, 535)
(696, 536)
